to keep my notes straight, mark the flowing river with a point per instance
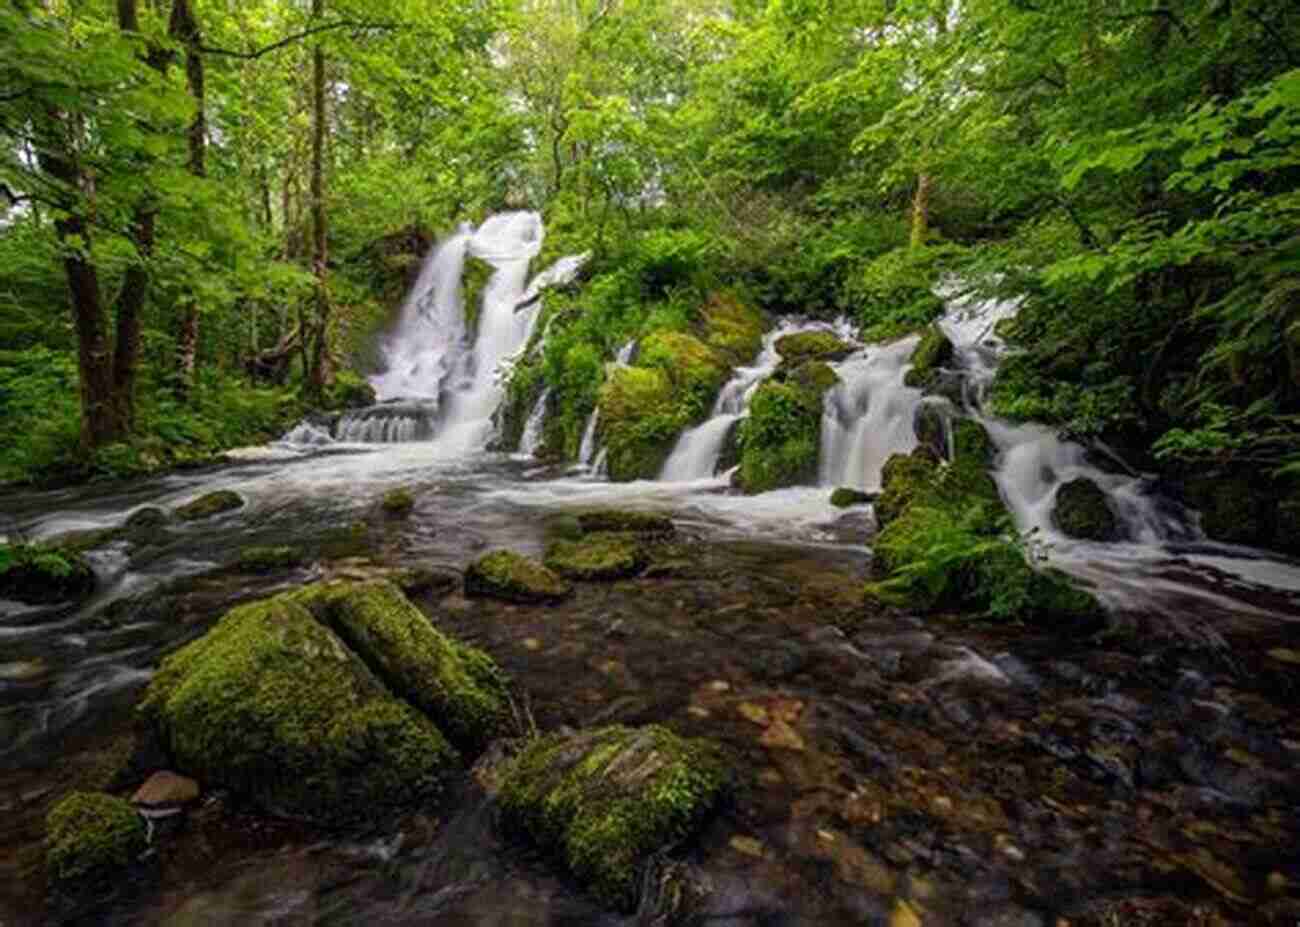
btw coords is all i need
(974, 774)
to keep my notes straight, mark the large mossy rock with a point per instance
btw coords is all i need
(458, 686)
(273, 705)
(598, 556)
(781, 437)
(213, 503)
(903, 477)
(512, 577)
(798, 347)
(932, 352)
(732, 328)
(1080, 511)
(258, 559)
(397, 502)
(39, 574)
(643, 523)
(91, 841)
(606, 800)
(1233, 509)
(640, 418)
(845, 497)
(971, 443)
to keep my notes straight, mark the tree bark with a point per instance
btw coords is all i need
(921, 210)
(185, 28)
(318, 354)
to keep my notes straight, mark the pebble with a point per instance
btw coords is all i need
(165, 790)
(903, 915)
(781, 736)
(719, 685)
(695, 711)
(532, 643)
(748, 846)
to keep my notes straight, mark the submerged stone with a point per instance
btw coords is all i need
(271, 704)
(91, 840)
(1081, 511)
(397, 502)
(619, 520)
(512, 577)
(598, 556)
(39, 574)
(845, 497)
(213, 503)
(269, 559)
(458, 686)
(606, 801)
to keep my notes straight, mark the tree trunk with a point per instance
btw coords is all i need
(921, 210)
(185, 28)
(317, 373)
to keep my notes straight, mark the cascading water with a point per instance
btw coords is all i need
(532, 436)
(588, 456)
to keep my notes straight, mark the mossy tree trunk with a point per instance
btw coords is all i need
(184, 27)
(316, 334)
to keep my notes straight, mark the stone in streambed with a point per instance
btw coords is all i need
(644, 523)
(269, 559)
(798, 347)
(599, 556)
(932, 352)
(397, 502)
(904, 477)
(1081, 511)
(512, 577)
(165, 792)
(423, 580)
(37, 574)
(214, 503)
(91, 841)
(844, 497)
(606, 801)
(271, 704)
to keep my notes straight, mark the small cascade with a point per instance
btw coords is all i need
(696, 454)
(587, 450)
(392, 422)
(588, 455)
(532, 437)
(868, 416)
(307, 434)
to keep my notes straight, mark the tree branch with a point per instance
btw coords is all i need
(299, 36)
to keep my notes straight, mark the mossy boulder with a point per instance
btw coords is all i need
(91, 841)
(425, 580)
(397, 502)
(273, 705)
(644, 523)
(350, 391)
(930, 425)
(606, 801)
(640, 418)
(902, 479)
(512, 577)
(695, 370)
(598, 556)
(845, 497)
(932, 352)
(1081, 511)
(781, 437)
(269, 559)
(1232, 509)
(213, 503)
(39, 574)
(458, 686)
(798, 347)
(971, 442)
(734, 329)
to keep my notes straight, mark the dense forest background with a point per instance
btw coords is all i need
(208, 210)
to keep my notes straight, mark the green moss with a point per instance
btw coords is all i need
(931, 428)
(606, 800)
(91, 837)
(458, 686)
(971, 442)
(598, 556)
(272, 705)
(349, 391)
(904, 477)
(780, 439)
(211, 504)
(640, 419)
(269, 559)
(733, 329)
(503, 574)
(39, 573)
(646, 523)
(932, 352)
(695, 370)
(1232, 509)
(844, 498)
(1080, 511)
(397, 502)
(803, 346)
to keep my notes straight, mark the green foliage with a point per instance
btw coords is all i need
(895, 292)
(780, 438)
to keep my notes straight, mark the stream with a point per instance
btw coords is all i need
(953, 772)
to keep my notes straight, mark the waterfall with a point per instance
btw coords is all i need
(532, 437)
(696, 454)
(868, 416)
(587, 449)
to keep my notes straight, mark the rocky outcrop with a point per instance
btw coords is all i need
(503, 574)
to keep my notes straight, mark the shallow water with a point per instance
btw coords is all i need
(981, 775)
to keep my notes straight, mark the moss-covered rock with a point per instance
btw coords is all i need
(971, 442)
(1233, 510)
(504, 574)
(644, 523)
(845, 497)
(599, 556)
(1081, 511)
(91, 840)
(350, 391)
(798, 347)
(605, 801)
(424, 580)
(903, 477)
(640, 419)
(271, 704)
(781, 437)
(732, 328)
(458, 686)
(695, 370)
(930, 425)
(214, 503)
(38, 574)
(269, 559)
(932, 352)
(397, 502)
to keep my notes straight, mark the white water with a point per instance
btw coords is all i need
(532, 436)
(588, 456)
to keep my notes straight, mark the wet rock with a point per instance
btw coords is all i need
(147, 518)
(269, 559)
(421, 580)
(747, 846)
(271, 704)
(782, 432)
(512, 577)
(22, 671)
(642, 523)
(971, 442)
(781, 736)
(933, 351)
(605, 801)
(844, 497)
(796, 348)
(931, 428)
(1081, 511)
(458, 686)
(37, 574)
(1233, 510)
(397, 502)
(165, 791)
(92, 841)
(598, 556)
(214, 503)
(904, 476)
